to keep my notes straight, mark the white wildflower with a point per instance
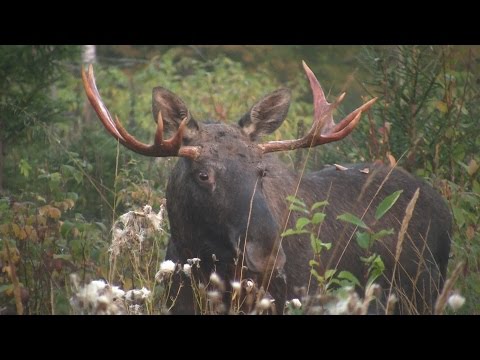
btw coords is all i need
(97, 284)
(132, 228)
(194, 261)
(145, 293)
(264, 304)
(296, 303)
(137, 295)
(130, 295)
(215, 279)
(167, 267)
(249, 286)
(117, 293)
(392, 299)
(456, 301)
(155, 219)
(187, 269)
(147, 209)
(127, 218)
(236, 286)
(103, 300)
(214, 295)
(373, 291)
(97, 297)
(90, 293)
(135, 309)
(339, 308)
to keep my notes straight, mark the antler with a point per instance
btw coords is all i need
(324, 129)
(159, 148)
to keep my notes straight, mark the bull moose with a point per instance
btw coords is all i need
(227, 194)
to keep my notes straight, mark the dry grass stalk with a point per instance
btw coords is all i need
(401, 237)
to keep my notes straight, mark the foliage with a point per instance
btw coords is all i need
(62, 169)
(27, 96)
(311, 224)
(46, 248)
(427, 117)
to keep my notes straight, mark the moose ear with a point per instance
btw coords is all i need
(267, 115)
(173, 110)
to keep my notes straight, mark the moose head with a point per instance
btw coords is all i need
(227, 194)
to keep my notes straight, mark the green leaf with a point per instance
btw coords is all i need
(313, 263)
(319, 278)
(294, 207)
(55, 177)
(441, 106)
(318, 204)
(66, 227)
(6, 287)
(301, 223)
(294, 200)
(382, 233)
(4, 206)
(368, 260)
(317, 218)
(347, 275)
(316, 244)
(329, 273)
(476, 187)
(68, 169)
(297, 204)
(352, 219)
(386, 204)
(72, 195)
(472, 167)
(101, 226)
(290, 232)
(376, 269)
(363, 239)
(24, 167)
(76, 246)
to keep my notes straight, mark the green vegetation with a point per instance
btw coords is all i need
(64, 181)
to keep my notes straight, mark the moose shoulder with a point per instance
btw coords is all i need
(226, 202)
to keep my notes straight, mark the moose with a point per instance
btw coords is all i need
(226, 202)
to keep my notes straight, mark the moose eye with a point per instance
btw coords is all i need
(203, 176)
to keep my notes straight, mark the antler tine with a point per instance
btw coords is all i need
(160, 147)
(96, 101)
(322, 109)
(324, 129)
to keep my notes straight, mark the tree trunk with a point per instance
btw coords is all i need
(89, 54)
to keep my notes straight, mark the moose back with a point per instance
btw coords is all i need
(226, 202)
